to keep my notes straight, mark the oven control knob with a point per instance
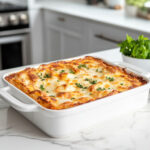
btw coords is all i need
(23, 18)
(13, 20)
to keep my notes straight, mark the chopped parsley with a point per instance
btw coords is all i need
(82, 66)
(110, 79)
(80, 86)
(100, 89)
(44, 77)
(52, 96)
(47, 91)
(47, 75)
(100, 71)
(42, 87)
(71, 71)
(62, 71)
(86, 79)
(91, 81)
(72, 98)
(121, 83)
(58, 80)
(40, 76)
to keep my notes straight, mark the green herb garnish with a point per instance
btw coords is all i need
(52, 96)
(121, 83)
(86, 79)
(80, 86)
(99, 71)
(100, 89)
(91, 81)
(139, 48)
(44, 77)
(47, 75)
(62, 71)
(72, 98)
(71, 71)
(82, 66)
(110, 79)
(40, 76)
(42, 87)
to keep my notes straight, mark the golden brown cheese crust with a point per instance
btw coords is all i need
(66, 84)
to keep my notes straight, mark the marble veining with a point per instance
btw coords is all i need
(127, 132)
(130, 131)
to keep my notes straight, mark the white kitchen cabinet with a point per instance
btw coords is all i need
(72, 45)
(103, 36)
(99, 39)
(68, 36)
(64, 36)
(52, 44)
(97, 43)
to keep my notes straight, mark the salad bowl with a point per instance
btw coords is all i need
(141, 63)
(136, 52)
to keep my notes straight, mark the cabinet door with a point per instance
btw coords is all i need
(72, 45)
(99, 42)
(64, 36)
(52, 44)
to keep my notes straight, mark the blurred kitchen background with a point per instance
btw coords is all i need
(36, 31)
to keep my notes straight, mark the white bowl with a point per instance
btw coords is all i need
(131, 10)
(141, 63)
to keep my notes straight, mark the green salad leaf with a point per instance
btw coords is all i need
(139, 48)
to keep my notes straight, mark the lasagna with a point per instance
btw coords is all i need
(65, 84)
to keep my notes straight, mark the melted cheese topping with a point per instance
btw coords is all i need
(66, 84)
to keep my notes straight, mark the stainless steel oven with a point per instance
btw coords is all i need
(14, 36)
(14, 50)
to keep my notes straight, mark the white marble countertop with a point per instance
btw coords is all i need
(96, 13)
(127, 132)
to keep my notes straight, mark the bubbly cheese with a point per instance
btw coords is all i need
(66, 84)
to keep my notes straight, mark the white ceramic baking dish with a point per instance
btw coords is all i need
(61, 123)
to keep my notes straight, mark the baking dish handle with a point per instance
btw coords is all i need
(134, 69)
(20, 106)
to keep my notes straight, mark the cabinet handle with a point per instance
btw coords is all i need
(107, 39)
(61, 19)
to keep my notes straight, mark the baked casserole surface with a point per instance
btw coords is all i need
(65, 84)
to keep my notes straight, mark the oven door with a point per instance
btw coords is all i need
(14, 51)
